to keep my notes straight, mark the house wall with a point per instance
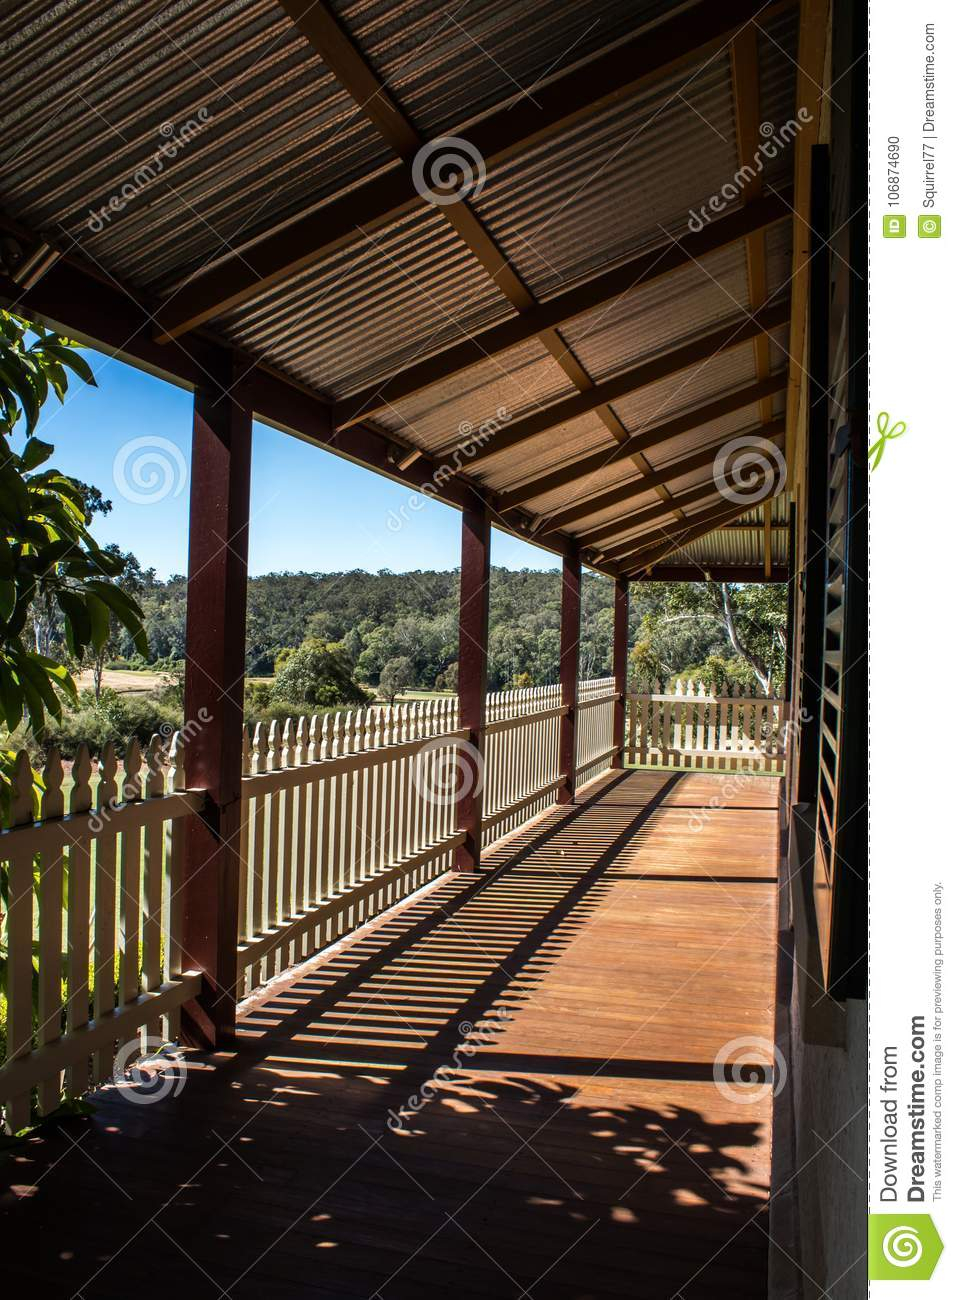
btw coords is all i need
(830, 1131)
(819, 1161)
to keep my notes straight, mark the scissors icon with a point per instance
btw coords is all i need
(886, 431)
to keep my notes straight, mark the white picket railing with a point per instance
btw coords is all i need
(344, 815)
(349, 812)
(594, 732)
(106, 951)
(694, 727)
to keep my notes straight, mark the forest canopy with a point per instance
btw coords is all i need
(380, 618)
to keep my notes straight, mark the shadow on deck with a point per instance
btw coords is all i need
(502, 1088)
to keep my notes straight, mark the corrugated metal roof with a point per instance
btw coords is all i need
(95, 87)
(661, 314)
(732, 546)
(395, 296)
(568, 208)
(449, 63)
(519, 380)
(96, 90)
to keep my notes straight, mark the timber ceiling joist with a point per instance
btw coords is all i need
(656, 263)
(670, 473)
(619, 288)
(697, 352)
(521, 124)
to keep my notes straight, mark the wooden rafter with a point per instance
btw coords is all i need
(596, 505)
(587, 465)
(339, 53)
(746, 86)
(698, 352)
(674, 539)
(635, 523)
(558, 105)
(644, 269)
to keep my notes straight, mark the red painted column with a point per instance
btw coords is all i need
(213, 705)
(619, 668)
(568, 673)
(473, 680)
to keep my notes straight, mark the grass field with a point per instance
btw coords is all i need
(124, 681)
(129, 682)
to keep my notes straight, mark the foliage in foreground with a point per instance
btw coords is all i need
(48, 557)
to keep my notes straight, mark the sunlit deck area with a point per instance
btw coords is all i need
(504, 1087)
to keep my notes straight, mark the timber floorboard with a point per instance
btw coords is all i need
(503, 1088)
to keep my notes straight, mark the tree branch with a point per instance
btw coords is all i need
(758, 666)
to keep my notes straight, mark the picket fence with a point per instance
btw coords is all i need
(92, 895)
(694, 727)
(344, 815)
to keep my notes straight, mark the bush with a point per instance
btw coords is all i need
(257, 698)
(115, 717)
(318, 674)
(723, 672)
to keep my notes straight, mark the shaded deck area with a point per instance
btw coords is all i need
(502, 1088)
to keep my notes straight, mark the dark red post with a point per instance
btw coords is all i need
(473, 679)
(619, 668)
(568, 673)
(214, 681)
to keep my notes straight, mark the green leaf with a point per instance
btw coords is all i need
(18, 380)
(99, 621)
(77, 621)
(72, 360)
(35, 453)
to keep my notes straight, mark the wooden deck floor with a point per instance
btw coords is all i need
(578, 994)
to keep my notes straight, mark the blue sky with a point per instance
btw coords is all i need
(310, 510)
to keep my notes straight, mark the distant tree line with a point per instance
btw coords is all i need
(400, 630)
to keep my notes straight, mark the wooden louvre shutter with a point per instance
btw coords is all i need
(840, 862)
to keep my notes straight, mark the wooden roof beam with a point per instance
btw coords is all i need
(646, 268)
(674, 539)
(639, 520)
(652, 437)
(558, 105)
(337, 50)
(595, 505)
(698, 352)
